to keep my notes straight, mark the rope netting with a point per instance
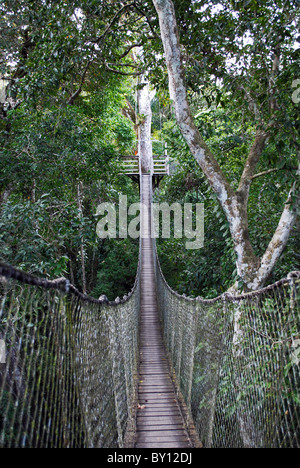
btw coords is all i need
(68, 376)
(69, 363)
(237, 363)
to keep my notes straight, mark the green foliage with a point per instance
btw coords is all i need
(62, 126)
(51, 150)
(211, 270)
(60, 146)
(7, 407)
(35, 236)
(116, 274)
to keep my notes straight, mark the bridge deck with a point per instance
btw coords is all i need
(159, 421)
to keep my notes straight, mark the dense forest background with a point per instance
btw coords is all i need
(70, 73)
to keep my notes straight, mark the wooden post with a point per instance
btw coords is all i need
(167, 159)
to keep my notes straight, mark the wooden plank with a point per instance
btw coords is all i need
(159, 407)
(154, 396)
(161, 401)
(151, 397)
(162, 445)
(158, 429)
(159, 367)
(157, 418)
(164, 381)
(159, 423)
(164, 437)
(150, 423)
(155, 383)
(156, 379)
(167, 411)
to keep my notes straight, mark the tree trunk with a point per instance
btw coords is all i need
(82, 249)
(5, 195)
(145, 114)
(252, 270)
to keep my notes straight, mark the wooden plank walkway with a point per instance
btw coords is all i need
(159, 420)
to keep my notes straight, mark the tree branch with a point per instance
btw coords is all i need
(251, 163)
(264, 173)
(133, 46)
(123, 65)
(198, 147)
(252, 104)
(280, 237)
(118, 72)
(272, 82)
(78, 91)
(124, 7)
(140, 10)
(129, 112)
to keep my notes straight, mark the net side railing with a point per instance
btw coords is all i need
(68, 371)
(237, 363)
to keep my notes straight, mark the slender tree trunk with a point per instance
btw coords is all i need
(33, 192)
(72, 272)
(5, 195)
(145, 113)
(82, 249)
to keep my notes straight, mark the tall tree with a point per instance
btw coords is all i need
(253, 271)
(145, 146)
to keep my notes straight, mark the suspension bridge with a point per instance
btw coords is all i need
(154, 369)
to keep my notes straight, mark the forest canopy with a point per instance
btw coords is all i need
(69, 75)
